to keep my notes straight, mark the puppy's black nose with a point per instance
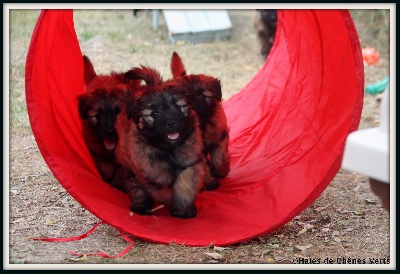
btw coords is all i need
(171, 123)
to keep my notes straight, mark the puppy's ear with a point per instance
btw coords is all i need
(216, 89)
(83, 105)
(177, 67)
(89, 73)
(150, 75)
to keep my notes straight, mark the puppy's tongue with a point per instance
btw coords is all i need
(110, 144)
(173, 136)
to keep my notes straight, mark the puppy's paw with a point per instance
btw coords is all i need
(220, 165)
(211, 184)
(184, 214)
(143, 208)
(220, 172)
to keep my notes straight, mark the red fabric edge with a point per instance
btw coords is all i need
(311, 198)
(355, 44)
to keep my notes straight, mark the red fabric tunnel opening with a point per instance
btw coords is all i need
(286, 141)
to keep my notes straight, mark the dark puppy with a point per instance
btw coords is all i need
(264, 21)
(161, 142)
(99, 107)
(205, 95)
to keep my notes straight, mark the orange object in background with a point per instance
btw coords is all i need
(370, 56)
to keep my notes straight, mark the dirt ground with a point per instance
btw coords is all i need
(345, 223)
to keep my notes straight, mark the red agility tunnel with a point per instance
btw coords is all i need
(288, 129)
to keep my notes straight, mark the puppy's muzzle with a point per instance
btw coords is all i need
(171, 124)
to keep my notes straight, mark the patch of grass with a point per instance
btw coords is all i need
(114, 36)
(87, 34)
(373, 28)
(18, 116)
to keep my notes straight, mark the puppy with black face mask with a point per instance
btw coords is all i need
(99, 107)
(161, 142)
(205, 95)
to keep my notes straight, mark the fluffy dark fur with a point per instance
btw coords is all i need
(99, 107)
(264, 21)
(149, 75)
(205, 95)
(161, 142)
(152, 77)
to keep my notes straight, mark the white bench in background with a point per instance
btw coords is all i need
(195, 26)
(367, 152)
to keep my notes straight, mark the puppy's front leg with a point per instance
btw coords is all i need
(141, 201)
(185, 190)
(210, 182)
(121, 174)
(106, 169)
(220, 158)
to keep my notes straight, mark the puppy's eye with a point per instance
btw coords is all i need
(181, 103)
(183, 108)
(208, 97)
(147, 112)
(93, 113)
(207, 94)
(94, 118)
(154, 113)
